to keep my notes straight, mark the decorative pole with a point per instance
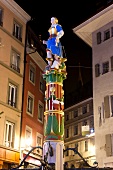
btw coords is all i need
(54, 75)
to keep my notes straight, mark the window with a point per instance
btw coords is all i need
(111, 63)
(32, 74)
(86, 145)
(67, 117)
(105, 67)
(97, 70)
(1, 16)
(67, 152)
(75, 113)
(106, 106)
(84, 123)
(84, 109)
(42, 84)
(75, 130)
(9, 134)
(28, 136)
(98, 37)
(67, 133)
(12, 96)
(17, 31)
(109, 144)
(40, 111)
(76, 147)
(112, 31)
(106, 34)
(30, 104)
(15, 61)
(39, 139)
(111, 98)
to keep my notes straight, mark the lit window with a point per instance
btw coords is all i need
(12, 97)
(17, 31)
(9, 134)
(28, 136)
(39, 139)
(15, 61)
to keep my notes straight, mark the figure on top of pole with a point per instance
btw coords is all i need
(54, 47)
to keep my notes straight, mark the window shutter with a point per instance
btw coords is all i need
(98, 37)
(112, 105)
(112, 63)
(106, 107)
(97, 70)
(108, 145)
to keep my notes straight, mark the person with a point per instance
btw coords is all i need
(54, 48)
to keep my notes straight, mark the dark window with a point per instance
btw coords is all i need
(32, 74)
(106, 106)
(1, 17)
(97, 70)
(75, 113)
(67, 152)
(67, 133)
(86, 145)
(111, 31)
(112, 63)
(76, 147)
(105, 67)
(107, 34)
(75, 130)
(67, 117)
(84, 109)
(111, 105)
(98, 37)
(40, 112)
(17, 31)
(42, 84)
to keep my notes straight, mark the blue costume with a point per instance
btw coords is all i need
(52, 46)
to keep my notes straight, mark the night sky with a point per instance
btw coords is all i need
(69, 14)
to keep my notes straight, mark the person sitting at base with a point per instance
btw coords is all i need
(54, 48)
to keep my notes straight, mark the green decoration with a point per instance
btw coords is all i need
(48, 125)
(55, 125)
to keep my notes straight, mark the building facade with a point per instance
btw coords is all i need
(97, 32)
(32, 123)
(12, 40)
(79, 134)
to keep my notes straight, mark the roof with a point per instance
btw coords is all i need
(85, 30)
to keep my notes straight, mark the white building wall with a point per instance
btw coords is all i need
(102, 86)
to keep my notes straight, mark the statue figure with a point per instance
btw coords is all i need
(54, 48)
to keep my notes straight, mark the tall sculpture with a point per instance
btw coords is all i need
(54, 75)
